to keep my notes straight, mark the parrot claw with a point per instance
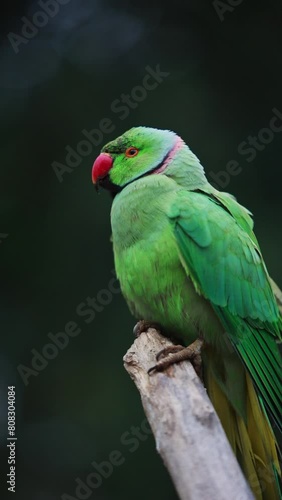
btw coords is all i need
(169, 350)
(176, 353)
(143, 326)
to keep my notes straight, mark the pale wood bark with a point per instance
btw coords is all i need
(187, 431)
(278, 294)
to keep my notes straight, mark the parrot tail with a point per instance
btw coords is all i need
(252, 441)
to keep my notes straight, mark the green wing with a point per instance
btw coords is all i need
(220, 254)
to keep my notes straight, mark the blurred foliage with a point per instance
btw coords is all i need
(225, 79)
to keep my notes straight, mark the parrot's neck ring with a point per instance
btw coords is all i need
(169, 157)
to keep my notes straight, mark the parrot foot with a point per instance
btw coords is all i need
(176, 353)
(143, 326)
(169, 350)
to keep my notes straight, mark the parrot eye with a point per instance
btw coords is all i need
(130, 152)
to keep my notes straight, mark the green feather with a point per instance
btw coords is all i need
(208, 261)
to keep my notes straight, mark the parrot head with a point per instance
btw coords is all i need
(138, 152)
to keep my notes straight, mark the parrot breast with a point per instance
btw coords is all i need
(148, 266)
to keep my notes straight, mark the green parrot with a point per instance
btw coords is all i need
(187, 259)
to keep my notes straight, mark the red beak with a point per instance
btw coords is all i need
(101, 167)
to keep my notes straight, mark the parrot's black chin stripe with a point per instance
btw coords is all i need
(106, 183)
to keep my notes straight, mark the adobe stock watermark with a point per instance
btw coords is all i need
(130, 440)
(227, 6)
(40, 18)
(249, 148)
(3, 236)
(258, 480)
(266, 476)
(122, 107)
(57, 342)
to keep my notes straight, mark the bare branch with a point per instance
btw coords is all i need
(188, 433)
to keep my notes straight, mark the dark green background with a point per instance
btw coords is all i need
(225, 79)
